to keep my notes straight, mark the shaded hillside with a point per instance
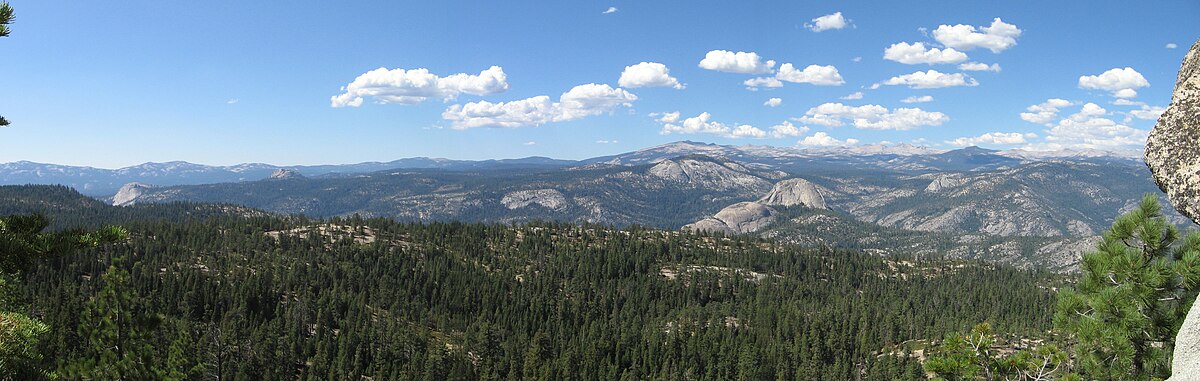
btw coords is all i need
(68, 208)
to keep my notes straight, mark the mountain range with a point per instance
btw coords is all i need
(898, 199)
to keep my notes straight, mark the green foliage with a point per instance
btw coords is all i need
(19, 340)
(115, 331)
(247, 296)
(540, 301)
(23, 241)
(977, 356)
(6, 17)
(963, 357)
(1132, 297)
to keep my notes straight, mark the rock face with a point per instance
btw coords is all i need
(1173, 155)
(1186, 364)
(1173, 151)
(742, 217)
(129, 194)
(752, 216)
(795, 192)
(284, 174)
(708, 174)
(548, 198)
(943, 182)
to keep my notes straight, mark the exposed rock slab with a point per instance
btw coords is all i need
(284, 174)
(795, 191)
(1186, 364)
(742, 217)
(1173, 155)
(708, 174)
(129, 194)
(548, 198)
(1173, 149)
(945, 181)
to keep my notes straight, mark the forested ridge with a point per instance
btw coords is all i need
(253, 296)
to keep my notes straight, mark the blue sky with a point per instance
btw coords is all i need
(112, 84)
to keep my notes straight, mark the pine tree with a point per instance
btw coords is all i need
(19, 356)
(6, 17)
(116, 334)
(181, 361)
(22, 241)
(1132, 297)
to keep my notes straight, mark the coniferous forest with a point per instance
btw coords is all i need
(228, 293)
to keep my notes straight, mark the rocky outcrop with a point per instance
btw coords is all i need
(708, 174)
(129, 194)
(285, 174)
(752, 216)
(548, 198)
(1173, 155)
(739, 218)
(943, 182)
(1186, 364)
(795, 192)
(1172, 151)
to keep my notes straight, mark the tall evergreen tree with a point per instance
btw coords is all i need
(1132, 297)
(116, 334)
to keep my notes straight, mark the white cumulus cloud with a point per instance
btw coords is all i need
(665, 117)
(978, 66)
(821, 139)
(773, 102)
(917, 53)
(930, 79)
(1123, 83)
(787, 129)
(872, 117)
(1125, 93)
(994, 138)
(815, 74)
(827, 75)
(853, 96)
(996, 37)
(1171, 45)
(610, 10)
(1045, 112)
(702, 124)
(918, 99)
(577, 103)
(755, 83)
(740, 62)
(417, 85)
(1148, 112)
(648, 74)
(1089, 129)
(827, 22)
